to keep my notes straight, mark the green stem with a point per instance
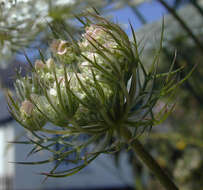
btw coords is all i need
(137, 13)
(183, 24)
(149, 161)
(197, 6)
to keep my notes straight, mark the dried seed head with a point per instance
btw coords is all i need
(26, 107)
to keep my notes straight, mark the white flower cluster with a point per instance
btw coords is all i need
(79, 74)
(22, 20)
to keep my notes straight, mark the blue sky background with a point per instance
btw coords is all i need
(152, 11)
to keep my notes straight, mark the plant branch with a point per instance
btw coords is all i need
(138, 14)
(197, 6)
(149, 161)
(183, 24)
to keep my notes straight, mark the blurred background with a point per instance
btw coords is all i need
(177, 144)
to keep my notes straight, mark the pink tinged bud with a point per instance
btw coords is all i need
(54, 45)
(62, 48)
(39, 64)
(93, 31)
(97, 31)
(88, 33)
(61, 79)
(50, 63)
(27, 107)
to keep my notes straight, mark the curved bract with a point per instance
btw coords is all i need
(96, 86)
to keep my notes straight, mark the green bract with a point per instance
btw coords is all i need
(96, 86)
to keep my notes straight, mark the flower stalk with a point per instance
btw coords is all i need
(149, 161)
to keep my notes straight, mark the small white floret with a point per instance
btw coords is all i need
(53, 92)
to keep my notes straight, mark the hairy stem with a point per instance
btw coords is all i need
(183, 24)
(149, 161)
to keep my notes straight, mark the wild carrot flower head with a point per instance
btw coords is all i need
(95, 86)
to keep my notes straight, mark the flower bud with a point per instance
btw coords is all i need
(26, 107)
(39, 64)
(50, 63)
(93, 31)
(54, 45)
(62, 48)
(53, 92)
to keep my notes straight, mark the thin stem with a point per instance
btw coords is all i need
(149, 161)
(183, 24)
(138, 14)
(197, 6)
(189, 87)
